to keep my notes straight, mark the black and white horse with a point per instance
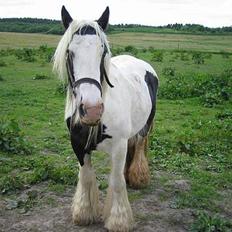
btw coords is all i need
(110, 107)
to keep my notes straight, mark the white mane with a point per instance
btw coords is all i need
(59, 59)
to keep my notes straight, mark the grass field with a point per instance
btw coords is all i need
(211, 43)
(191, 141)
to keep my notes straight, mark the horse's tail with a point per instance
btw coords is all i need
(137, 172)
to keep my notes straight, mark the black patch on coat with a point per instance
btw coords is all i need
(152, 84)
(86, 30)
(79, 134)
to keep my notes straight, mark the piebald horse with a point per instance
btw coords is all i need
(110, 106)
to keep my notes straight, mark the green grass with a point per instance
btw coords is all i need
(189, 139)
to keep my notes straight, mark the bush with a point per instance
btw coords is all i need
(169, 71)
(198, 58)
(225, 55)
(158, 56)
(2, 63)
(211, 99)
(212, 89)
(46, 53)
(10, 183)
(184, 56)
(12, 139)
(208, 55)
(151, 49)
(117, 51)
(144, 50)
(216, 89)
(36, 169)
(25, 54)
(131, 49)
(177, 87)
(224, 115)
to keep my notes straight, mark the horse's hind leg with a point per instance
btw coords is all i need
(85, 206)
(137, 171)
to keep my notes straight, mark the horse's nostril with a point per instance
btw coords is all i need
(82, 111)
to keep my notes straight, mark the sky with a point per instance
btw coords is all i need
(212, 13)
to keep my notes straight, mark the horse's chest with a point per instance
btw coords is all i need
(85, 139)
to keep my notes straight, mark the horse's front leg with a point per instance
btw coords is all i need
(117, 212)
(85, 206)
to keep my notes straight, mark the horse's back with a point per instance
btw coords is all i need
(132, 96)
(130, 66)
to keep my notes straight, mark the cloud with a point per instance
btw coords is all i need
(149, 12)
(15, 3)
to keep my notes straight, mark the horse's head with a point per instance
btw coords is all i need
(85, 63)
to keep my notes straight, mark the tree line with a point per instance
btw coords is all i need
(48, 26)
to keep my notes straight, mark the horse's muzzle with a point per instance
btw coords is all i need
(91, 115)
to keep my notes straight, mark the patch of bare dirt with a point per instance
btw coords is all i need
(49, 211)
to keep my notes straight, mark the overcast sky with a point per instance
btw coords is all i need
(211, 13)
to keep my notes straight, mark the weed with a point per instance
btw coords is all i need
(198, 58)
(208, 55)
(207, 223)
(10, 183)
(117, 51)
(144, 50)
(12, 139)
(184, 56)
(131, 49)
(2, 63)
(40, 77)
(29, 201)
(25, 54)
(151, 49)
(216, 89)
(1, 78)
(61, 88)
(212, 89)
(169, 71)
(158, 56)
(58, 188)
(225, 55)
(224, 115)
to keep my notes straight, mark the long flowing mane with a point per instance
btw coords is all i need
(59, 59)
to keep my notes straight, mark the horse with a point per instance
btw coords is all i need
(110, 107)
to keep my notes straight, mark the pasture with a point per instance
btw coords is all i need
(190, 147)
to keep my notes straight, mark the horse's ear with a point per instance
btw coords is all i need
(66, 18)
(104, 19)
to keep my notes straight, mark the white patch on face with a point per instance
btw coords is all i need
(87, 52)
(90, 94)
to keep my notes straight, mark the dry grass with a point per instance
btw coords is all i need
(212, 43)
